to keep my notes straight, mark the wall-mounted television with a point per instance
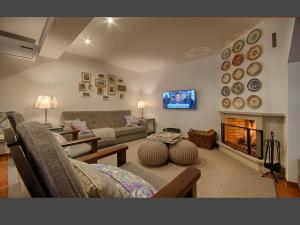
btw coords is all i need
(180, 99)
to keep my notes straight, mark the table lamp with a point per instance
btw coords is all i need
(45, 102)
(141, 105)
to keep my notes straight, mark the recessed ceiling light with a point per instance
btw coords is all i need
(109, 20)
(87, 41)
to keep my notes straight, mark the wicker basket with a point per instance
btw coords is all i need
(203, 139)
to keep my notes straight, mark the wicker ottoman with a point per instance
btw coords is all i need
(153, 153)
(183, 152)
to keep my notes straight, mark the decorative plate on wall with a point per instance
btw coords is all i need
(226, 78)
(225, 91)
(238, 74)
(238, 103)
(237, 88)
(226, 103)
(253, 36)
(254, 85)
(254, 52)
(254, 68)
(254, 102)
(226, 53)
(238, 46)
(225, 65)
(237, 60)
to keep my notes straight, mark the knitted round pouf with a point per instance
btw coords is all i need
(183, 152)
(153, 153)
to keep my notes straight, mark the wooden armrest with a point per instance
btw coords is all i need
(184, 185)
(73, 132)
(81, 141)
(69, 132)
(120, 150)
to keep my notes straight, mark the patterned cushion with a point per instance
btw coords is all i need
(131, 121)
(134, 185)
(81, 126)
(96, 183)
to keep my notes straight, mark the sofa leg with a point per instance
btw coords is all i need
(121, 158)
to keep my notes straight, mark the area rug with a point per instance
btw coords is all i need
(221, 175)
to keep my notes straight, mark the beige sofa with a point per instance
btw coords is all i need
(112, 119)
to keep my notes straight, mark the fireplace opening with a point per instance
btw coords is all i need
(243, 135)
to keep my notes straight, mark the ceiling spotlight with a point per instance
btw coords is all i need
(109, 20)
(87, 41)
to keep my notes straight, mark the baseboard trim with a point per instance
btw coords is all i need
(292, 184)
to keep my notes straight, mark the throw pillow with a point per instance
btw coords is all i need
(132, 121)
(81, 126)
(134, 185)
(96, 183)
(60, 139)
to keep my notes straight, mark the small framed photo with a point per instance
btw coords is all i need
(121, 88)
(105, 97)
(85, 94)
(120, 80)
(101, 76)
(111, 78)
(82, 87)
(121, 96)
(99, 90)
(100, 83)
(111, 89)
(86, 77)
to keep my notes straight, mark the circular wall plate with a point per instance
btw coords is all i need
(254, 84)
(253, 36)
(238, 103)
(238, 74)
(226, 103)
(225, 91)
(226, 78)
(238, 46)
(254, 68)
(225, 65)
(226, 53)
(237, 88)
(254, 102)
(254, 52)
(237, 60)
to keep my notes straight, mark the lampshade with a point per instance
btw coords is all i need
(45, 102)
(141, 104)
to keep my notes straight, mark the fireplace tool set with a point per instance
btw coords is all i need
(272, 146)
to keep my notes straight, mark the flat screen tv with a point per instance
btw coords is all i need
(180, 99)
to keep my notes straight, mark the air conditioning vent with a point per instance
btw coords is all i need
(17, 46)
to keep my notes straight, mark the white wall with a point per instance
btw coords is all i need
(199, 74)
(60, 78)
(275, 67)
(293, 154)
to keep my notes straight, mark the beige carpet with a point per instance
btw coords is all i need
(222, 176)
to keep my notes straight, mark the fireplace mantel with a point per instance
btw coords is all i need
(254, 113)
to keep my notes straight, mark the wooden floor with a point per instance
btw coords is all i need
(3, 176)
(283, 188)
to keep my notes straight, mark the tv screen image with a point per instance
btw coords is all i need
(181, 99)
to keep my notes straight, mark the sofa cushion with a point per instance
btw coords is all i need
(77, 150)
(86, 135)
(122, 131)
(96, 183)
(52, 166)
